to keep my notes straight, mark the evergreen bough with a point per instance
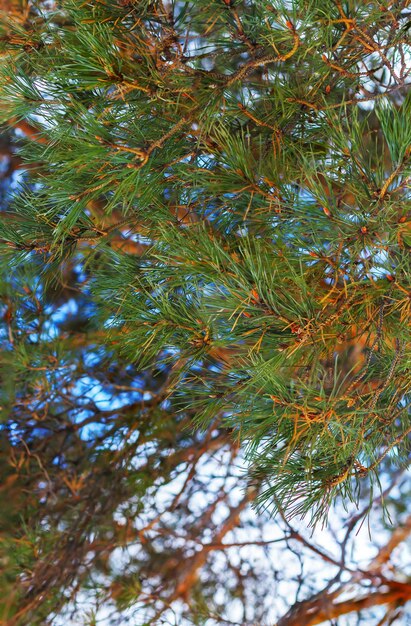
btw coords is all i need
(229, 182)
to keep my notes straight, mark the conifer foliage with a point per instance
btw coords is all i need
(207, 247)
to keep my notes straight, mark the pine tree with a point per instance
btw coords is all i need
(206, 250)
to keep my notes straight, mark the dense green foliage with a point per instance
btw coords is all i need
(210, 242)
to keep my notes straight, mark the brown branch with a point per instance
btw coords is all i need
(323, 608)
(324, 605)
